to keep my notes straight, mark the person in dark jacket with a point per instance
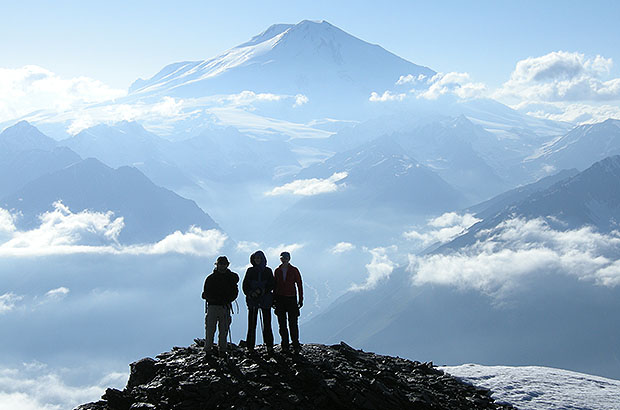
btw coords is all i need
(258, 285)
(288, 286)
(220, 290)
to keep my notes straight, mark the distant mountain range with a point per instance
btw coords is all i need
(579, 148)
(591, 197)
(36, 172)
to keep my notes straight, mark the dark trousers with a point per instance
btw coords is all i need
(288, 314)
(266, 322)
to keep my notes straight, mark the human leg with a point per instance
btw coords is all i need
(283, 329)
(251, 337)
(267, 332)
(223, 328)
(294, 328)
(210, 322)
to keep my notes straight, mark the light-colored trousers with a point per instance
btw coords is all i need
(220, 316)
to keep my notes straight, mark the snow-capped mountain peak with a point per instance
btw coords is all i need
(289, 59)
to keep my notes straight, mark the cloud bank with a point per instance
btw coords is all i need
(563, 86)
(63, 232)
(30, 88)
(516, 249)
(309, 187)
(33, 387)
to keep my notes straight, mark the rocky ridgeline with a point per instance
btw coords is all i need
(319, 377)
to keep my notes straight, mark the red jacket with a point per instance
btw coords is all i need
(287, 287)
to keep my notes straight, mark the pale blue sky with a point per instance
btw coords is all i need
(118, 41)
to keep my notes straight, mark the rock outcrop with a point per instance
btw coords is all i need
(319, 377)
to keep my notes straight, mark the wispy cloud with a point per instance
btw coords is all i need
(518, 248)
(309, 187)
(63, 232)
(58, 293)
(342, 247)
(442, 229)
(8, 302)
(380, 268)
(30, 88)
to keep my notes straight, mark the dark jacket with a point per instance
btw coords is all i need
(221, 288)
(258, 287)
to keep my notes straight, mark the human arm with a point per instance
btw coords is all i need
(204, 289)
(300, 287)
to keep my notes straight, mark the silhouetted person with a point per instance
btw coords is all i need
(288, 286)
(220, 290)
(258, 285)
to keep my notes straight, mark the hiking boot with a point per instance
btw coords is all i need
(296, 347)
(270, 350)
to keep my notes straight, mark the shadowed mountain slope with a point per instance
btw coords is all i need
(150, 212)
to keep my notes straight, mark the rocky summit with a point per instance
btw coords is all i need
(318, 377)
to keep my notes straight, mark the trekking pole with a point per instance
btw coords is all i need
(230, 323)
(262, 329)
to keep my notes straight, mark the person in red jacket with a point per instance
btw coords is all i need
(288, 287)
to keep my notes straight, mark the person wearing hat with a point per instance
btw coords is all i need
(220, 290)
(288, 286)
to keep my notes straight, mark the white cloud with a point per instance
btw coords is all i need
(30, 88)
(58, 293)
(300, 100)
(379, 268)
(64, 232)
(342, 247)
(61, 227)
(459, 84)
(411, 79)
(518, 248)
(195, 241)
(8, 301)
(309, 187)
(386, 96)
(33, 387)
(446, 227)
(562, 76)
